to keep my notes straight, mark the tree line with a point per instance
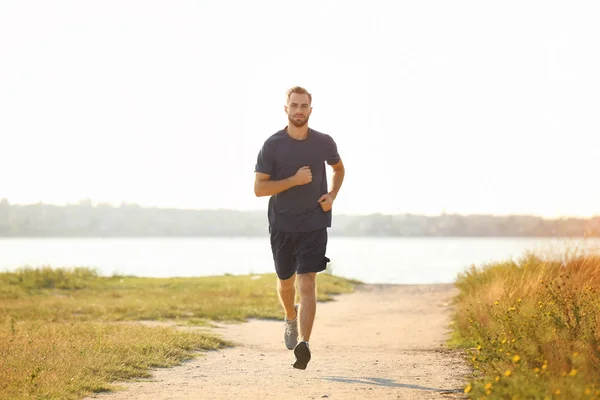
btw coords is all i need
(131, 220)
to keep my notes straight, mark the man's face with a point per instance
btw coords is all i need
(298, 109)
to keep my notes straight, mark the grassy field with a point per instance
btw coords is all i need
(532, 327)
(65, 333)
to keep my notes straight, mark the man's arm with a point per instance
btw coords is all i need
(338, 177)
(264, 186)
(326, 201)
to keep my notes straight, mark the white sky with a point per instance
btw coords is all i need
(462, 106)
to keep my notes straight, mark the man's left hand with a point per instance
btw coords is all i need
(326, 202)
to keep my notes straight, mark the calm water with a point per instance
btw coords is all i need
(371, 260)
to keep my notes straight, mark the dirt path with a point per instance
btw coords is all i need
(381, 342)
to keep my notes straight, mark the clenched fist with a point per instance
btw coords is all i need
(303, 176)
(326, 202)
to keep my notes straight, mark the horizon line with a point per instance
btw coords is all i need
(96, 204)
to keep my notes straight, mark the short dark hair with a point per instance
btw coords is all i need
(299, 90)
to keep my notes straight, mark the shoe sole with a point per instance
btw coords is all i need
(302, 356)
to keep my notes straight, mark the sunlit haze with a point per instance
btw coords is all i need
(456, 107)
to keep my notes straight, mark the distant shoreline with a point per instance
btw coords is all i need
(331, 235)
(130, 220)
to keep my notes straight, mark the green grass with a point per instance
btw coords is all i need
(531, 327)
(65, 333)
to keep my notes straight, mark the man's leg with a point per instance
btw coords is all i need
(308, 304)
(287, 295)
(282, 246)
(310, 255)
(307, 287)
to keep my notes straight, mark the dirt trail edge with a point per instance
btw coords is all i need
(380, 342)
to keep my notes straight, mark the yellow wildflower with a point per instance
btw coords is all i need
(536, 370)
(516, 358)
(573, 372)
(488, 385)
(497, 379)
(468, 388)
(508, 372)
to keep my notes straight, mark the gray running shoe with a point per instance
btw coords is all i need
(291, 331)
(302, 353)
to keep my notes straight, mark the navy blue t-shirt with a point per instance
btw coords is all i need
(297, 209)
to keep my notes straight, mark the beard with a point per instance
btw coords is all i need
(298, 123)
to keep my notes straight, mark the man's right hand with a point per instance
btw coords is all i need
(303, 176)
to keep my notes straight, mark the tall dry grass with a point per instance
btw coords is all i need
(532, 326)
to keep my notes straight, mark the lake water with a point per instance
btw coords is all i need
(369, 259)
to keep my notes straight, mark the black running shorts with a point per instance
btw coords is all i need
(299, 252)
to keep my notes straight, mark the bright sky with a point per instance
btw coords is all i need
(455, 106)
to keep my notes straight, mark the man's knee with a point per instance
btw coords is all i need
(286, 284)
(307, 283)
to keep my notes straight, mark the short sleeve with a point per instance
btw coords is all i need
(265, 160)
(333, 157)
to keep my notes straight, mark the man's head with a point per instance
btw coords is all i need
(298, 107)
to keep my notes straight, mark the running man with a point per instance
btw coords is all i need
(291, 168)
